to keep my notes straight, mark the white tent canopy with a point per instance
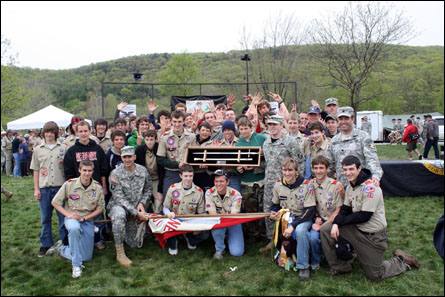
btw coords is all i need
(37, 119)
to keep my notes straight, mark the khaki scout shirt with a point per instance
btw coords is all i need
(7, 143)
(174, 147)
(367, 197)
(49, 163)
(105, 143)
(231, 203)
(78, 199)
(151, 165)
(329, 196)
(224, 142)
(294, 199)
(315, 150)
(183, 202)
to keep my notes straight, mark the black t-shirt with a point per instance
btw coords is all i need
(15, 145)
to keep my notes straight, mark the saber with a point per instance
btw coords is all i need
(225, 153)
(214, 159)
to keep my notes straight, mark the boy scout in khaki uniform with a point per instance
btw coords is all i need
(47, 164)
(83, 200)
(297, 195)
(222, 199)
(172, 148)
(185, 198)
(329, 195)
(7, 146)
(362, 223)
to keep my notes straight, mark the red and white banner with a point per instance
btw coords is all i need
(166, 228)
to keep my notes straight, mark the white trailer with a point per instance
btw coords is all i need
(375, 117)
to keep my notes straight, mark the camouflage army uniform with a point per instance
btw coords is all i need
(367, 127)
(128, 189)
(274, 154)
(357, 143)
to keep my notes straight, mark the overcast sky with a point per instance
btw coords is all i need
(62, 35)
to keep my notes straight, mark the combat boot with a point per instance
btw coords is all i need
(121, 257)
(7, 194)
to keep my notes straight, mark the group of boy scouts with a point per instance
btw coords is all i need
(316, 165)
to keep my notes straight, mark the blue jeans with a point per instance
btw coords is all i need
(316, 252)
(172, 242)
(17, 172)
(429, 143)
(300, 234)
(235, 239)
(81, 241)
(46, 214)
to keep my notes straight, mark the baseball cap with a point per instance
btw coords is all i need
(365, 117)
(219, 172)
(345, 112)
(26, 136)
(275, 119)
(314, 109)
(331, 116)
(127, 151)
(331, 100)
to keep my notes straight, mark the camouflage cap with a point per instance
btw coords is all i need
(331, 100)
(275, 119)
(127, 151)
(345, 112)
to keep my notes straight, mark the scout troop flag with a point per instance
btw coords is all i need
(165, 228)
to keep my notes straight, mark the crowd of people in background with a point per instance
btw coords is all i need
(135, 166)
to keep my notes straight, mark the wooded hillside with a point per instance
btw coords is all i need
(411, 80)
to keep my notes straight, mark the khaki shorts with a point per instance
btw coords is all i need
(411, 146)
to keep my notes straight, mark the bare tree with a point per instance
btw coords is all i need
(351, 44)
(274, 53)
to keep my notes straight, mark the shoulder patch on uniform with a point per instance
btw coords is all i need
(165, 133)
(368, 182)
(306, 182)
(69, 180)
(113, 180)
(233, 192)
(335, 181)
(173, 185)
(211, 190)
(199, 189)
(369, 189)
(278, 180)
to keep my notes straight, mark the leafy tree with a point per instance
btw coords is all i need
(181, 68)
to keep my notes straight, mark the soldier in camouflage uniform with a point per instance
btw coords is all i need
(366, 126)
(353, 142)
(131, 187)
(276, 149)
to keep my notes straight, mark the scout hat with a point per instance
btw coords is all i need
(345, 112)
(331, 100)
(314, 109)
(275, 119)
(127, 151)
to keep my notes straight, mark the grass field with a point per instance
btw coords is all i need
(411, 222)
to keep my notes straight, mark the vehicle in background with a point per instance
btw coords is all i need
(375, 117)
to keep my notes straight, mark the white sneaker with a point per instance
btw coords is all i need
(77, 271)
(173, 252)
(315, 266)
(190, 247)
(55, 248)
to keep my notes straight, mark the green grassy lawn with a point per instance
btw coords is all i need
(411, 222)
